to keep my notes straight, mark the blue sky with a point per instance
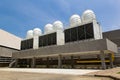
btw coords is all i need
(18, 16)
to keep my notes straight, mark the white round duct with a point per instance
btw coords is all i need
(57, 25)
(29, 34)
(88, 15)
(48, 28)
(75, 20)
(37, 32)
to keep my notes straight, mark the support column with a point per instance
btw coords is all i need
(63, 62)
(72, 62)
(98, 57)
(78, 57)
(47, 65)
(16, 63)
(29, 63)
(59, 61)
(33, 62)
(79, 60)
(102, 57)
(111, 61)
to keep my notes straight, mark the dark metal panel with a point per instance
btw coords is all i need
(79, 33)
(47, 40)
(67, 35)
(74, 34)
(89, 31)
(27, 44)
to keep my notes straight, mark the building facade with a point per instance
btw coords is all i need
(9, 43)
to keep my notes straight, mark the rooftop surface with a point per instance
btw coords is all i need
(114, 73)
(47, 74)
(51, 71)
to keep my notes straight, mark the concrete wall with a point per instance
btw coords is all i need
(112, 46)
(6, 51)
(113, 36)
(84, 46)
(9, 40)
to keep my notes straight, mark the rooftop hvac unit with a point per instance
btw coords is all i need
(37, 32)
(58, 25)
(88, 15)
(29, 34)
(75, 20)
(48, 28)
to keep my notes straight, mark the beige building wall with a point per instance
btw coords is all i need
(9, 40)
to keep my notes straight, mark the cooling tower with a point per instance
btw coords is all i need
(88, 15)
(48, 28)
(29, 34)
(37, 32)
(75, 20)
(58, 25)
